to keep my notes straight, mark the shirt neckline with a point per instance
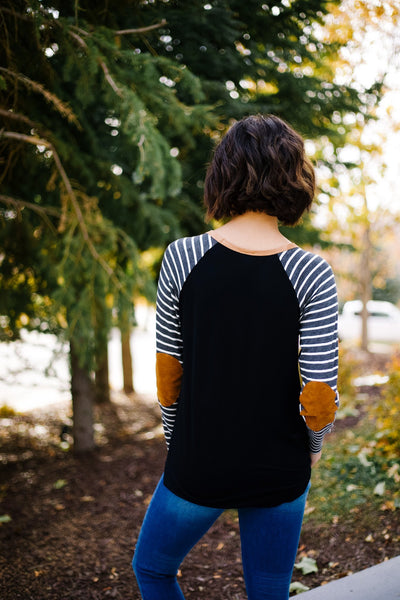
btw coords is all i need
(218, 238)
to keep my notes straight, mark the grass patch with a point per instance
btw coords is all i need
(353, 476)
(7, 412)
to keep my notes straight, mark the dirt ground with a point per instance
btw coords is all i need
(73, 522)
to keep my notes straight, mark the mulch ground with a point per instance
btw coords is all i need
(75, 520)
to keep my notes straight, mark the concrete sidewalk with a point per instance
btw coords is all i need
(381, 582)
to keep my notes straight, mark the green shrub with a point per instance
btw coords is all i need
(6, 412)
(349, 369)
(387, 412)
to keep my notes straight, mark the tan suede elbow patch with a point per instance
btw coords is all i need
(169, 376)
(318, 404)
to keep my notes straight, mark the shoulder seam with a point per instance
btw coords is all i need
(188, 252)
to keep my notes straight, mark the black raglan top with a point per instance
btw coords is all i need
(246, 370)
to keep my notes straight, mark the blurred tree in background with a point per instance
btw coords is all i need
(109, 112)
(358, 181)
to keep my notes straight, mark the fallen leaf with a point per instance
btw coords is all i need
(307, 565)
(379, 489)
(363, 459)
(59, 507)
(220, 546)
(5, 518)
(351, 487)
(60, 483)
(298, 587)
(87, 499)
(393, 472)
(389, 505)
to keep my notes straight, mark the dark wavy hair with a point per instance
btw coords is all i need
(260, 165)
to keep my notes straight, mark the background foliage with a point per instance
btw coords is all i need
(387, 412)
(109, 113)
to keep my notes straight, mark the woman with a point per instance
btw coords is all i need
(244, 411)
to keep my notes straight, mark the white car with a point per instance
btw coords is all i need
(383, 321)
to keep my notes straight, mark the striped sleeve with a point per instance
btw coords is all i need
(168, 330)
(314, 283)
(168, 333)
(179, 259)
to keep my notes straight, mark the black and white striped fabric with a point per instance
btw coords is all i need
(179, 259)
(314, 284)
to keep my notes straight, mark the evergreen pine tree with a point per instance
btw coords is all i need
(109, 112)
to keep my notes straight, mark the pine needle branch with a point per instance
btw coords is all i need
(60, 106)
(42, 211)
(36, 141)
(9, 114)
(15, 14)
(78, 38)
(101, 62)
(142, 29)
(30, 139)
(18, 203)
(82, 31)
(133, 31)
(109, 78)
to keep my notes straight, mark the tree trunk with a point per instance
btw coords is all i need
(102, 384)
(127, 369)
(366, 284)
(82, 405)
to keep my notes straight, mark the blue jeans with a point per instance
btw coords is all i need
(172, 526)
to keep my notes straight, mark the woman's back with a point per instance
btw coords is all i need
(238, 439)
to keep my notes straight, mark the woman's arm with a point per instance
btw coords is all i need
(168, 344)
(315, 457)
